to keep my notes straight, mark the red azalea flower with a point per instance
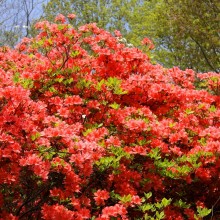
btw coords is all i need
(101, 196)
(71, 16)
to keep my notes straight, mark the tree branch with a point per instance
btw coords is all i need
(204, 54)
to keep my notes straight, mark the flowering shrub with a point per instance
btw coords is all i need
(90, 129)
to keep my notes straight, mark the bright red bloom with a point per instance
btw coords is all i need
(56, 212)
(101, 196)
(71, 16)
(60, 18)
(114, 211)
(148, 42)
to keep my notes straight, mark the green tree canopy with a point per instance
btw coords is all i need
(110, 15)
(186, 33)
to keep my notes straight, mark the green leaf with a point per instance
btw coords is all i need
(160, 215)
(119, 91)
(181, 204)
(99, 85)
(143, 142)
(100, 125)
(202, 141)
(27, 83)
(189, 111)
(147, 217)
(166, 202)
(16, 77)
(83, 83)
(155, 153)
(63, 153)
(74, 53)
(52, 89)
(147, 195)
(106, 162)
(114, 195)
(212, 108)
(115, 105)
(202, 212)
(171, 125)
(85, 133)
(215, 79)
(40, 42)
(68, 81)
(184, 170)
(146, 207)
(126, 198)
(158, 205)
(35, 136)
(60, 26)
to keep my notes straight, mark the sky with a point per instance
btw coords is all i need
(14, 12)
(14, 16)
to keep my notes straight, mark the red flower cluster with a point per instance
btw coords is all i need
(90, 129)
(101, 196)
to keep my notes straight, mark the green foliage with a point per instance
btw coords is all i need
(35, 136)
(156, 208)
(185, 32)
(114, 83)
(46, 153)
(113, 161)
(202, 212)
(155, 154)
(110, 15)
(8, 37)
(181, 204)
(25, 82)
(83, 83)
(125, 199)
(212, 108)
(114, 105)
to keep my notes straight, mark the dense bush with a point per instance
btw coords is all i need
(90, 129)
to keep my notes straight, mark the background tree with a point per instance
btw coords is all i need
(110, 15)
(186, 33)
(16, 19)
